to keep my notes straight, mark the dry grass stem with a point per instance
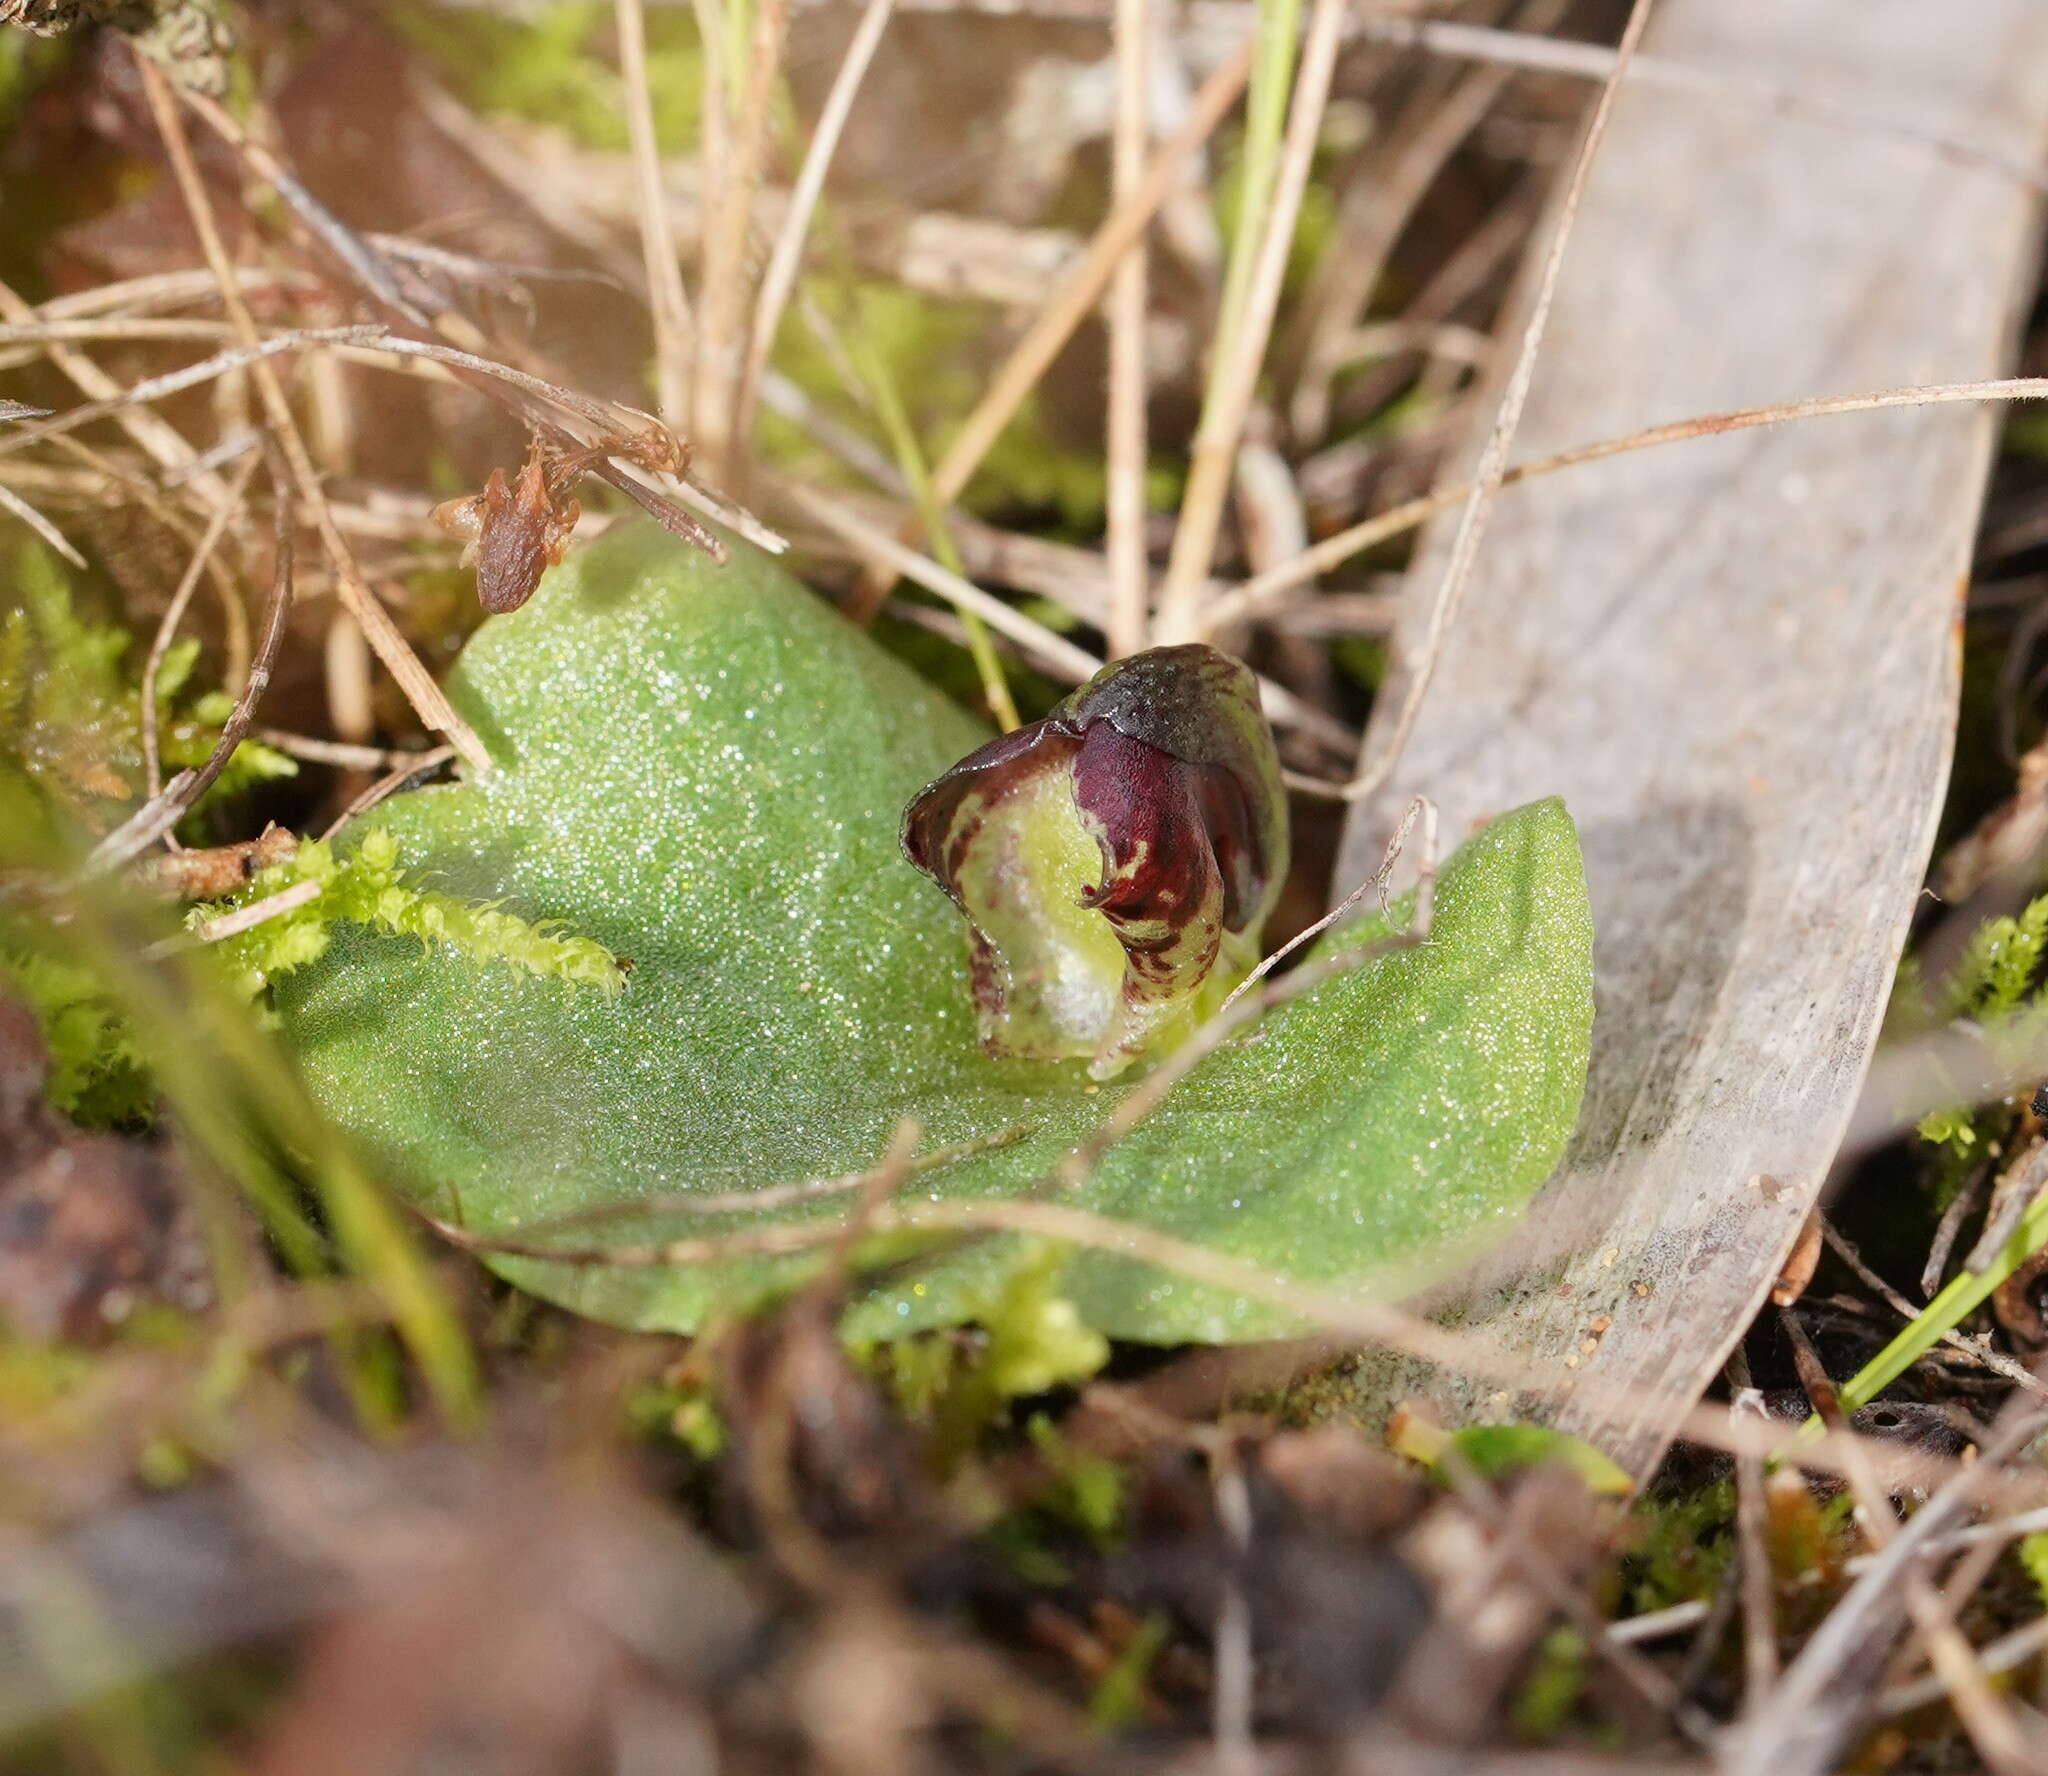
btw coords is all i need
(1421, 808)
(409, 773)
(155, 818)
(1128, 616)
(1352, 269)
(157, 439)
(174, 612)
(723, 301)
(1234, 378)
(1078, 296)
(13, 503)
(785, 258)
(391, 647)
(1991, 1725)
(667, 302)
(1052, 651)
(1266, 590)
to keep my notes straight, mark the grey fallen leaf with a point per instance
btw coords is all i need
(1735, 658)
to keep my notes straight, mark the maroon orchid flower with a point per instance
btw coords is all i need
(1115, 861)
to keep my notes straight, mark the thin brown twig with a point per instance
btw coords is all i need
(1230, 1700)
(1221, 428)
(1641, 1674)
(172, 382)
(666, 299)
(158, 440)
(426, 696)
(362, 261)
(775, 1196)
(1378, 766)
(1421, 808)
(174, 613)
(1049, 649)
(785, 258)
(1950, 1228)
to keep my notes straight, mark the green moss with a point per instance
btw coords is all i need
(369, 887)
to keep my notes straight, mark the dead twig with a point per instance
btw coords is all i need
(246, 918)
(1991, 1726)
(1950, 1229)
(214, 871)
(1054, 325)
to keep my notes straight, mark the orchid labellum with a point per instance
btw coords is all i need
(1115, 861)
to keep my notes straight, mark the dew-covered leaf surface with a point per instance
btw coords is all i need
(704, 770)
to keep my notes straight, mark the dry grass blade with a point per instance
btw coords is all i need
(1493, 460)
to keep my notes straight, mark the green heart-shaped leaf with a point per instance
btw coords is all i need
(704, 770)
